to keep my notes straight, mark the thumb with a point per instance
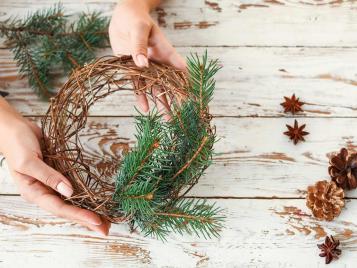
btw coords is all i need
(39, 170)
(139, 39)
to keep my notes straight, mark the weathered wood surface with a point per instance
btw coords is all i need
(258, 233)
(251, 83)
(268, 49)
(253, 157)
(236, 23)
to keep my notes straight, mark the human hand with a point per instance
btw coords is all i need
(133, 32)
(37, 182)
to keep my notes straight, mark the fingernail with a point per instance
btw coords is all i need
(142, 60)
(105, 232)
(64, 189)
(96, 221)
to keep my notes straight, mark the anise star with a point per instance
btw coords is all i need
(4, 93)
(296, 133)
(292, 104)
(329, 249)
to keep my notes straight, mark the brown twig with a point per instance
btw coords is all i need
(142, 164)
(181, 215)
(67, 116)
(189, 162)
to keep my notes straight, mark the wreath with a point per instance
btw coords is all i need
(148, 190)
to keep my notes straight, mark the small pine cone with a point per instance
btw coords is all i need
(343, 169)
(325, 199)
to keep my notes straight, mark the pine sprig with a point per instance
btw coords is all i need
(185, 216)
(169, 158)
(46, 41)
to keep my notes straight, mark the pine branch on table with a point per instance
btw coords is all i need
(46, 41)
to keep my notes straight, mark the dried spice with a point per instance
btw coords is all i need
(343, 169)
(325, 199)
(292, 104)
(4, 93)
(329, 249)
(296, 133)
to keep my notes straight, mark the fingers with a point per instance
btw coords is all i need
(142, 100)
(35, 192)
(102, 228)
(161, 50)
(139, 37)
(56, 206)
(141, 96)
(176, 60)
(161, 102)
(119, 46)
(36, 168)
(35, 128)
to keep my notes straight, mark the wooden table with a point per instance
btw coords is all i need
(269, 48)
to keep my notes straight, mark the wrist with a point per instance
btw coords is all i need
(9, 118)
(10, 124)
(11, 129)
(146, 5)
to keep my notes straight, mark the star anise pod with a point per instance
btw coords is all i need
(296, 133)
(343, 169)
(292, 104)
(4, 93)
(329, 249)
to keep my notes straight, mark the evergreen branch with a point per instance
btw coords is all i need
(168, 157)
(46, 40)
(8, 29)
(36, 75)
(148, 196)
(29, 67)
(186, 215)
(188, 163)
(133, 203)
(151, 149)
(141, 161)
(5, 30)
(72, 59)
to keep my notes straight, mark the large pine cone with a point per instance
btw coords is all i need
(343, 169)
(325, 199)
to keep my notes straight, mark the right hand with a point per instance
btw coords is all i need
(133, 32)
(37, 182)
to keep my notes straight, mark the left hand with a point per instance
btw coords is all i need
(37, 182)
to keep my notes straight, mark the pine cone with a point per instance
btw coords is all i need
(343, 169)
(325, 199)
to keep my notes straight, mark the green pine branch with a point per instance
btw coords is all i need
(167, 162)
(46, 41)
(185, 216)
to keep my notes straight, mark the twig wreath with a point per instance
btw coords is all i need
(169, 156)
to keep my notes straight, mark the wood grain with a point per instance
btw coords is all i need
(253, 158)
(252, 82)
(235, 23)
(258, 233)
(268, 49)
